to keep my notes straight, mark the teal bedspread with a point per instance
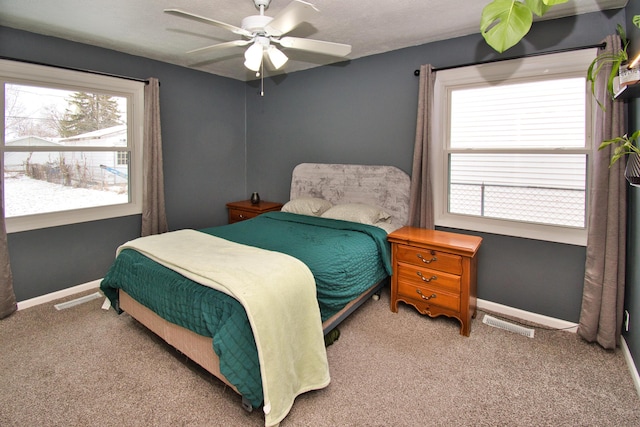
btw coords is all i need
(345, 258)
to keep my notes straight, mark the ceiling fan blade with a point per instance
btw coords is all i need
(220, 46)
(294, 14)
(317, 46)
(194, 17)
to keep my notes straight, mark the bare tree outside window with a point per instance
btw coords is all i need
(20, 119)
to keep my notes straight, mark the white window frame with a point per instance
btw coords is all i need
(78, 81)
(566, 64)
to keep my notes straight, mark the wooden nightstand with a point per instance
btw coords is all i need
(435, 271)
(244, 209)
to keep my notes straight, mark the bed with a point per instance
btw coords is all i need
(318, 260)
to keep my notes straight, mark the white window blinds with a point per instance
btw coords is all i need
(515, 143)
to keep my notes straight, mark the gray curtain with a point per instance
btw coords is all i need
(421, 196)
(604, 281)
(7, 296)
(154, 219)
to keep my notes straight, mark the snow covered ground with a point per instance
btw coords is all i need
(26, 196)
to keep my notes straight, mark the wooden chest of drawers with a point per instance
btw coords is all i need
(435, 272)
(244, 209)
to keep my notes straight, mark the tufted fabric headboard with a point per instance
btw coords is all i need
(383, 186)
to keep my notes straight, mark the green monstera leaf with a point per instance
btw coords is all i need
(539, 7)
(505, 22)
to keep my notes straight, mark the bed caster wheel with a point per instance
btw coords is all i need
(246, 405)
(375, 297)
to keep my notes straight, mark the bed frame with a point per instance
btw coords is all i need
(384, 186)
(200, 348)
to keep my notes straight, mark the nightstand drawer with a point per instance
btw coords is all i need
(428, 295)
(428, 277)
(433, 259)
(238, 215)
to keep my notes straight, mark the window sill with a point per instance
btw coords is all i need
(549, 233)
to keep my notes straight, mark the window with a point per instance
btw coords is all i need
(516, 137)
(123, 158)
(71, 146)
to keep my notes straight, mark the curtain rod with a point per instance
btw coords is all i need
(100, 73)
(528, 55)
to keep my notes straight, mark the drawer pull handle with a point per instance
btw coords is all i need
(426, 279)
(427, 261)
(424, 297)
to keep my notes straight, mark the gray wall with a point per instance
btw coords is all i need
(632, 291)
(365, 112)
(203, 130)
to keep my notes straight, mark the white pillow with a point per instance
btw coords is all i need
(307, 206)
(357, 212)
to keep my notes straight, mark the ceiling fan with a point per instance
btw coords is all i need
(263, 33)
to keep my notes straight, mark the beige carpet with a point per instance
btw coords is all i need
(87, 367)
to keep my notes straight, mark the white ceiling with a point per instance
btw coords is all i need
(140, 27)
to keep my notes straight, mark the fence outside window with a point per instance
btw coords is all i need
(542, 205)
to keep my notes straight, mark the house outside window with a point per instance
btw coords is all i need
(511, 147)
(71, 146)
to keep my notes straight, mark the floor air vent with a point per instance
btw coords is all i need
(497, 323)
(77, 301)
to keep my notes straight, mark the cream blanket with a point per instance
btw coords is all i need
(278, 293)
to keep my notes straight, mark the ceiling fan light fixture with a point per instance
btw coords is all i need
(253, 56)
(277, 58)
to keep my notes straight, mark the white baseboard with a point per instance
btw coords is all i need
(540, 319)
(43, 299)
(631, 365)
